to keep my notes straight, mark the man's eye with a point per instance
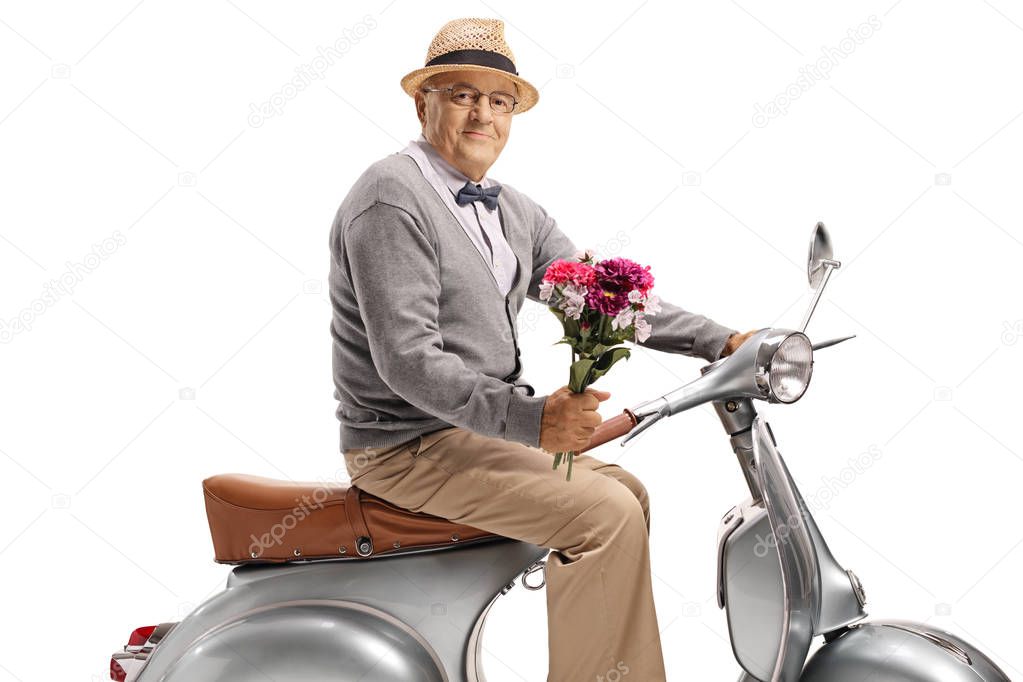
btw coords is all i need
(462, 96)
(500, 100)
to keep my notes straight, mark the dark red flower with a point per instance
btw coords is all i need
(615, 278)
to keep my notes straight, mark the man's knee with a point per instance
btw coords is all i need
(620, 512)
(611, 513)
(638, 490)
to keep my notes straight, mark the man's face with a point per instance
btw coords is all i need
(470, 138)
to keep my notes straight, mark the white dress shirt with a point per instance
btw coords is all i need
(481, 225)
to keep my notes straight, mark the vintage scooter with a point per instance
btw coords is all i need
(388, 612)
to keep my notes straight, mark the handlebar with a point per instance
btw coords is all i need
(630, 419)
(832, 342)
(608, 430)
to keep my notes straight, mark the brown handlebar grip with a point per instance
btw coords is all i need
(616, 427)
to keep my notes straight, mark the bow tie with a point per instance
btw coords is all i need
(471, 192)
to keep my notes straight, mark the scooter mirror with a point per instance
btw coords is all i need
(819, 264)
(820, 251)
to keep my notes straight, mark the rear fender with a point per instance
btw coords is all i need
(314, 640)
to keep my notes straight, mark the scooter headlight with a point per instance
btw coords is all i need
(785, 373)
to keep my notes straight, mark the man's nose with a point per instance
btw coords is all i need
(481, 110)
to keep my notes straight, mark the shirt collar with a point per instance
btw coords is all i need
(453, 178)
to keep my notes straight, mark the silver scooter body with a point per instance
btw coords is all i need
(781, 586)
(777, 579)
(414, 617)
(419, 616)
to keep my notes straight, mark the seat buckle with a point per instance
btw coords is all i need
(364, 545)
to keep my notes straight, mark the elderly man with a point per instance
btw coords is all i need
(431, 260)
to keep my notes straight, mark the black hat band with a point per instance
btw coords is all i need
(494, 60)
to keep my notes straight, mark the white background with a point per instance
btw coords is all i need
(131, 122)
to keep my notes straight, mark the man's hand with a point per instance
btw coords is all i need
(569, 419)
(734, 341)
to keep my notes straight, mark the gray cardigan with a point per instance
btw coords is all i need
(422, 337)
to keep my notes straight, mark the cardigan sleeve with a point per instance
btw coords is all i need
(383, 245)
(673, 329)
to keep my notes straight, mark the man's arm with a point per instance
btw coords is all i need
(385, 246)
(674, 330)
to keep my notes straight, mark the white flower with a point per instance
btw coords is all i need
(574, 300)
(572, 310)
(643, 328)
(623, 319)
(546, 289)
(635, 296)
(585, 254)
(652, 305)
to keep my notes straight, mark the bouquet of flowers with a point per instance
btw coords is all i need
(600, 304)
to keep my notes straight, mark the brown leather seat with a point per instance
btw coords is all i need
(253, 518)
(257, 492)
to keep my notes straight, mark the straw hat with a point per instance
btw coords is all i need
(472, 45)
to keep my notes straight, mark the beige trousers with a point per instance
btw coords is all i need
(600, 608)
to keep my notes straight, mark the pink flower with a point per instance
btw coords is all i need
(570, 272)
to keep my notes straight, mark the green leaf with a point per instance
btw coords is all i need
(578, 372)
(604, 363)
(571, 327)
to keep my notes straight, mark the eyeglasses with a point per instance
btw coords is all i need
(467, 96)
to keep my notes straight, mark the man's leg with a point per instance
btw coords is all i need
(626, 478)
(600, 608)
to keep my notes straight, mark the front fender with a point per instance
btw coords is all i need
(309, 640)
(900, 651)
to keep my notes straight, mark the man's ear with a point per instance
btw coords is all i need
(421, 108)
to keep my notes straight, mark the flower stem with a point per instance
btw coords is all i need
(558, 456)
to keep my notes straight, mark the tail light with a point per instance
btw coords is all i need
(125, 665)
(139, 636)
